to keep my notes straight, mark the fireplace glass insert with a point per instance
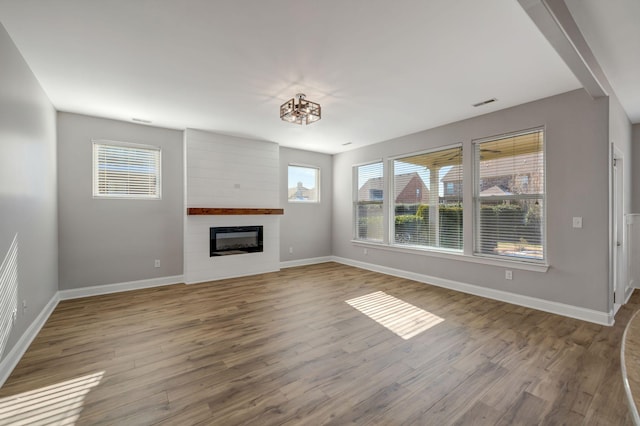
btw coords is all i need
(226, 240)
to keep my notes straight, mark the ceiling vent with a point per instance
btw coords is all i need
(488, 101)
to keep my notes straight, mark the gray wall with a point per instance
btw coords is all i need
(577, 185)
(109, 241)
(306, 227)
(635, 179)
(27, 184)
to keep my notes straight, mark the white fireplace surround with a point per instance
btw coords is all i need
(201, 267)
(229, 172)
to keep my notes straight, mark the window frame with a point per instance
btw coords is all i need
(383, 202)
(544, 261)
(391, 228)
(318, 180)
(120, 144)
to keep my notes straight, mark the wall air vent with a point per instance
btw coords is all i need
(488, 101)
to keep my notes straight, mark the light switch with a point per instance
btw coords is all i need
(577, 222)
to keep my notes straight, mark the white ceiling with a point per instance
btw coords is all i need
(380, 69)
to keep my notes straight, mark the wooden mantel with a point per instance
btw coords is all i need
(231, 211)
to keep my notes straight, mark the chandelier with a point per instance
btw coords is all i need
(303, 111)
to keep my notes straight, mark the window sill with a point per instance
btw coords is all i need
(124, 197)
(452, 255)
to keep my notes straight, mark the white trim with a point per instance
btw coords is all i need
(598, 317)
(119, 287)
(230, 276)
(628, 295)
(13, 357)
(126, 144)
(450, 254)
(304, 262)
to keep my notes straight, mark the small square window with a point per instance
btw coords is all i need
(126, 170)
(304, 184)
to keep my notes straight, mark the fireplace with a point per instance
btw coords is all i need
(226, 240)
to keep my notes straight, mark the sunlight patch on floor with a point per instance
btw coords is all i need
(400, 317)
(58, 404)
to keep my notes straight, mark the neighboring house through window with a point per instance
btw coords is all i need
(304, 184)
(510, 196)
(368, 203)
(426, 212)
(423, 195)
(375, 194)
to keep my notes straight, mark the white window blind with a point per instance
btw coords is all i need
(304, 184)
(368, 205)
(510, 195)
(123, 170)
(428, 199)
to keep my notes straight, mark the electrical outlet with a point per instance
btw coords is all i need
(24, 306)
(157, 263)
(366, 252)
(508, 275)
(15, 315)
(290, 250)
(577, 222)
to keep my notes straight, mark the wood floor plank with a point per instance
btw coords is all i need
(285, 348)
(528, 409)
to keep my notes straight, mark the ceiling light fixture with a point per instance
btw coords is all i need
(303, 111)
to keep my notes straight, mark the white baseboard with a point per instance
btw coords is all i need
(304, 262)
(13, 357)
(119, 287)
(598, 317)
(231, 276)
(627, 296)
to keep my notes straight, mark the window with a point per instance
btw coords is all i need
(369, 198)
(509, 196)
(124, 170)
(375, 194)
(304, 184)
(427, 199)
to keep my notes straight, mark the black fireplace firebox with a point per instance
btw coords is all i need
(226, 240)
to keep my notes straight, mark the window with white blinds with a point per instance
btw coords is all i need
(427, 199)
(368, 202)
(124, 170)
(509, 196)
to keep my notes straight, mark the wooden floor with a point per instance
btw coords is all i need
(286, 348)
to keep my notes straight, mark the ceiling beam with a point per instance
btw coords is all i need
(555, 22)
